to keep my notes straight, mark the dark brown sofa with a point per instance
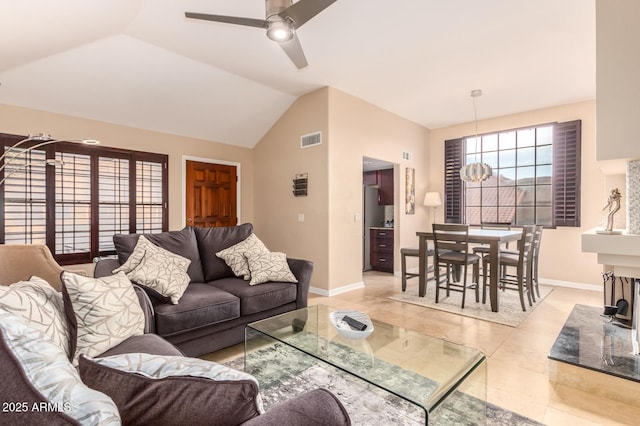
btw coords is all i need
(216, 306)
(19, 395)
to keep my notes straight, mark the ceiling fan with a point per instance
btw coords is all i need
(283, 17)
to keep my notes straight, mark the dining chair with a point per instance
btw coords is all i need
(483, 249)
(537, 241)
(522, 262)
(415, 252)
(451, 249)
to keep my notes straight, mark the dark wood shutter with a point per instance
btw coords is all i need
(453, 160)
(566, 173)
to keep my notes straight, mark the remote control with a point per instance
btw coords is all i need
(354, 323)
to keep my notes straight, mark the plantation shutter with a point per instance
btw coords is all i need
(566, 173)
(453, 161)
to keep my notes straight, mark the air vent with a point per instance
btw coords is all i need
(312, 139)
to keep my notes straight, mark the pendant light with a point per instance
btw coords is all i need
(476, 171)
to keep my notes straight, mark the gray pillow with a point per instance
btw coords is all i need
(212, 240)
(171, 390)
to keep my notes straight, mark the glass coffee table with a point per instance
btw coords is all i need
(437, 378)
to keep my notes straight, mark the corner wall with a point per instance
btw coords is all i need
(561, 256)
(277, 158)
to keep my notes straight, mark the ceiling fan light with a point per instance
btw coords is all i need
(279, 31)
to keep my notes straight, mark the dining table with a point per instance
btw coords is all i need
(494, 238)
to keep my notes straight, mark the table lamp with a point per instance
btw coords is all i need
(433, 200)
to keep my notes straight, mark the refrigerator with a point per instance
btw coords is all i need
(373, 216)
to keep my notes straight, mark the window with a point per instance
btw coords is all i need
(536, 177)
(74, 198)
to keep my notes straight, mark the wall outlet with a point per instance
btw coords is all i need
(300, 217)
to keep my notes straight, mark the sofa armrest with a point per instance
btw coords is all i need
(318, 407)
(104, 267)
(302, 269)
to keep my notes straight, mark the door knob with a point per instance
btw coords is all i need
(189, 220)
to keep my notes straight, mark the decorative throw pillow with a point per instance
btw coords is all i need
(102, 312)
(170, 390)
(164, 273)
(142, 247)
(236, 255)
(37, 374)
(271, 266)
(41, 305)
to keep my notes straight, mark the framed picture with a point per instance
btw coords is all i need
(410, 191)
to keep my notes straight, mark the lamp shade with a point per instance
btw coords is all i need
(432, 199)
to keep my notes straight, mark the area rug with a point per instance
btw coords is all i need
(510, 312)
(369, 406)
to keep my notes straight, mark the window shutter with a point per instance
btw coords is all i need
(452, 183)
(566, 173)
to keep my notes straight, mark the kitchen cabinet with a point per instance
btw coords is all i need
(381, 249)
(383, 179)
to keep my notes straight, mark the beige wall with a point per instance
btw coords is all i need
(357, 129)
(330, 234)
(277, 159)
(617, 82)
(561, 258)
(22, 121)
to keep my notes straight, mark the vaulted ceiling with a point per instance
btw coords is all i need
(141, 63)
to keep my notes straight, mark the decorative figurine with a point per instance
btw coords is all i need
(613, 204)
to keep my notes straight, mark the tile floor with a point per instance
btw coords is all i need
(517, 357)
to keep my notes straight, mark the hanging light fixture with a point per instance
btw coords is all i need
(476, 171)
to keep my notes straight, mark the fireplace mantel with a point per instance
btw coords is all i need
(620, 252)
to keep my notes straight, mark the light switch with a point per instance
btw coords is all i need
(357, 217)
(300, 217)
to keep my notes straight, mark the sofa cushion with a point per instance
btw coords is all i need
(41, 305)
(236, 255)
(36, 371)
(102, 312)
(162, 273)
(200, 305)
(181, 242)
(265, 267)
(213, 240)
(150, 389)
(258, 298)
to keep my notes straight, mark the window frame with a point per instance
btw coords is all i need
(95, 152)
(565, 177)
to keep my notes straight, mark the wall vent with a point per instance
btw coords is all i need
(312, 139)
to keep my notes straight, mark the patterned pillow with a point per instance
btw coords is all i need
(271, 266)
(164, 273)
(41, 305)
(153, 389)
(103, 312)
(236, 256)
(142, 247)
(36, 372)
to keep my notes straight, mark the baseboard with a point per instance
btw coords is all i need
(570, 284)
(336, 291)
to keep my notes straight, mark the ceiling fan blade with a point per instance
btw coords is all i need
(304, 10)
(249, 22)
(293, 49)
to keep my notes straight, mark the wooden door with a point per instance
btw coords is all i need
(211, 194)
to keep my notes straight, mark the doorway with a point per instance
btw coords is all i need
(210, 194)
